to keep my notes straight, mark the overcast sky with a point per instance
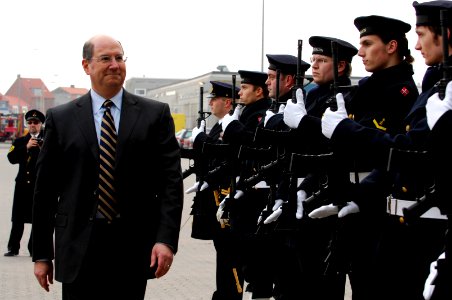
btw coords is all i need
(176, 38)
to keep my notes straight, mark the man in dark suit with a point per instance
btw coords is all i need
(99, 255)
(24, 151)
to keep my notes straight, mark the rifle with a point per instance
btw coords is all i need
(190, 153)
(412, 213)
(300, 76)
(446, 68)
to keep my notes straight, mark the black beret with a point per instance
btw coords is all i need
(287, 64)
(322, 45)
(253, 77)
(381, 26)
(35, 114)
(222, 89)
(428, 13)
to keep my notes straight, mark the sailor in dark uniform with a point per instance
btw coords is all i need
(313, 236)
(406, 247)
(244, 212)
(439, 119)
(229, 275)
(24, 151)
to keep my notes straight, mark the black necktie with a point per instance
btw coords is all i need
(108, 205)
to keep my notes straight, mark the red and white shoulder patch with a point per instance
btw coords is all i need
(404, 91)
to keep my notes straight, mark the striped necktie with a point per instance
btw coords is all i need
(108, 205)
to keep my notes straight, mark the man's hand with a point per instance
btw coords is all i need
(324, 211)
(163, 256)
(331, 119)
(227, 119)
(350, 208)
(268, 115)
(197, 187)
(294, 112)
(238, 194)
(44, 273)
(429, 287)
(277, 211)
(436, 107)
(301, 196)
(220, 212)
(32, 142)
(195, 131)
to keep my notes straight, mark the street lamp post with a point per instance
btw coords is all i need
(262, 50)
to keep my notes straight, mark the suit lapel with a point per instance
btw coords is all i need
(129, 116)
(85, 121)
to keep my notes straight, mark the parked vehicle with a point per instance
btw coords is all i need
(183, 137)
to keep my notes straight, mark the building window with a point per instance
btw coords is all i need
(140, 92)
(37, 92)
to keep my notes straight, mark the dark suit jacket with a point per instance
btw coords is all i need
(148, 174)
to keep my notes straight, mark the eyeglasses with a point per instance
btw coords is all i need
(106, 59)
(318, 60)
(33, 122)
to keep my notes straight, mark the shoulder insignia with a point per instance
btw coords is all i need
(259, 119)
(404, 91)
(379, 125)
(11, 148)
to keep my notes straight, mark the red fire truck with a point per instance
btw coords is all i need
(11, 126)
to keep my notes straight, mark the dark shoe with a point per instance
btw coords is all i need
(11, 253)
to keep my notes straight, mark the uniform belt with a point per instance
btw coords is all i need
(395, 207)
(361, 176)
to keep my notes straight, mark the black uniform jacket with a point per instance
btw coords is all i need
(148, 183)
(25, 179)
(241, 132)
(441, 153)
(411, 173)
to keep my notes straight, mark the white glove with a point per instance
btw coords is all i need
(301, 196)
(428, 286)
(294, 112)
(350, 208)
(195, 131)
(238, 194)
(220, 209)
(227, 119)
(277, 211)
(197, 187)
(436, 107)
(268, 115)
(331, 119)
(324, 211)
(261, 215)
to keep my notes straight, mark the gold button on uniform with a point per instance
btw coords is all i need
(407, 128)
(404, 189)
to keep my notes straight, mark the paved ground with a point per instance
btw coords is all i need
(192, 276)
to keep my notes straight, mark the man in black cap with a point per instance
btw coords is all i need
(209, 193)
(254, 97)
(408, 249)
(439, 119)
(307, 280)
(245, 211)
(24, 151)
(382, 101)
